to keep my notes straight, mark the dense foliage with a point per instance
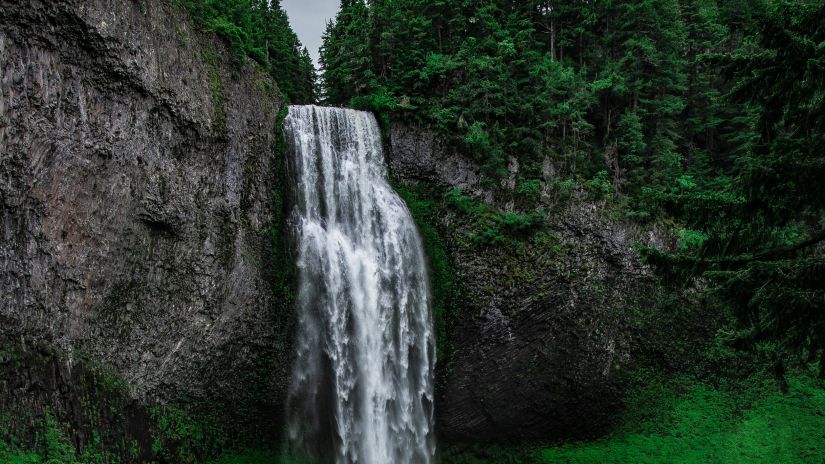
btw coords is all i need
(618, 86)
(259, 29)
(757, 235)
(707, 111)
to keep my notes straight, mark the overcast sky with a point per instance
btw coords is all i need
(308, 19)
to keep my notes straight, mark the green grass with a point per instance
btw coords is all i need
(8, 456)
(703, 424)
(257, 457)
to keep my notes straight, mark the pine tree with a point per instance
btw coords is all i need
(762, 233)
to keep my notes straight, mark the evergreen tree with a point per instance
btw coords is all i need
(544, 78)
(259, 29)
(760, 235)
(346, 56)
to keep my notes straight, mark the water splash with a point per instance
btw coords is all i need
(362, 386)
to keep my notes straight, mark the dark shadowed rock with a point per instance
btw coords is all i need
(418, 155)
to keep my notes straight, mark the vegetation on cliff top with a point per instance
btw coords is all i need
(260, 30)
(621, 86)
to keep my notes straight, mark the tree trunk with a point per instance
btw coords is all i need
(822, 366)
(581, 50)
(779, 373)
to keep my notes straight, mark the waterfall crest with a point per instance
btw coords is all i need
(362, 383)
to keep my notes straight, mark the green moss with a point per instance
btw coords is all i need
(216, 86)
(483, 454)
(256, 457)
(425, 210)
(213, 62)
(282, 263)
(490, 227)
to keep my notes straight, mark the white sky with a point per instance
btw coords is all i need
(309, 19)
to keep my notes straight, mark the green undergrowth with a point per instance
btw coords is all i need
(690, 422)
(176, 437)
(98, 422)
(282, 259)
(251, 457)
(483, 454)
(213, 62)
(53, 445)
(490, 226)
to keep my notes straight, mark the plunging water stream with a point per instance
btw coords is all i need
(362, 385)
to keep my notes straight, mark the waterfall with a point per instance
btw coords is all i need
(362, 383)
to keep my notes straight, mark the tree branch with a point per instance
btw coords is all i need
(764, 254)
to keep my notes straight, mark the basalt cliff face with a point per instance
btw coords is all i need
(137, 171)
(544, 329)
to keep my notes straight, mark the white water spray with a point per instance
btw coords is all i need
(362, 385)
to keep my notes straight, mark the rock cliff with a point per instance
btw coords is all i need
(137, 171)
(543, 328)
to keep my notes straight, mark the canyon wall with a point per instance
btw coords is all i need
(137, 172)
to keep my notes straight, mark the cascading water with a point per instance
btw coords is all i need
(362, 385)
